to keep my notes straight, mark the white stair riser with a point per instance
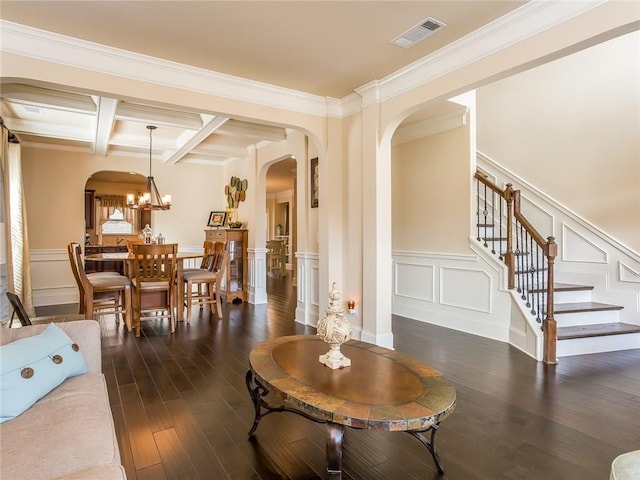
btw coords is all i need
(608, 343)
(573, 296)
(587, 318)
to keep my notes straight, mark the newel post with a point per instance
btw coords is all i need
(549, 326)
(509, 256)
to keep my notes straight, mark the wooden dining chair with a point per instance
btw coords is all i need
(101, 293)
(154, 275)
(206, 279)
(276, 257)
(131, 243)
(207, 257)
(74, 251)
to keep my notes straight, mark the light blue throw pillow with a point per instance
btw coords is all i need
(31, 367)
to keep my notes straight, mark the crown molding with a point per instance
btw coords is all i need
(51, 47)
(524, 22)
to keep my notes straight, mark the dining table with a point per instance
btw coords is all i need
(182, 258)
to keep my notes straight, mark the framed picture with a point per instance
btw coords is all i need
(217, 219)
(314, 182)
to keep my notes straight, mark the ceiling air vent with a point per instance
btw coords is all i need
(427, 27)
(32, 109)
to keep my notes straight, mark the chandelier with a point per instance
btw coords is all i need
(150, 199)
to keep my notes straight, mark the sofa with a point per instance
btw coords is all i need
(69, 432)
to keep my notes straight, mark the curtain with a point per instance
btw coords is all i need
(17, 266)
(107, 204)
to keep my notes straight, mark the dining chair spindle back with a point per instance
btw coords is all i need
(207, 279)
(154, 274)
(101, 293)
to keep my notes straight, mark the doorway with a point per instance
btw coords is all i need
(105, 194)
(281, 224)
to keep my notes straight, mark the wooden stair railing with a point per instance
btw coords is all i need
(526, 253)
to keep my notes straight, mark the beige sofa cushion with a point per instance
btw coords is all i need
(68, 433)
(103, 472)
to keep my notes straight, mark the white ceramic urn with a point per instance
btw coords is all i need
(334, 329)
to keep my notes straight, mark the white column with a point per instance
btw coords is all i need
(257, 271)
(308, 276)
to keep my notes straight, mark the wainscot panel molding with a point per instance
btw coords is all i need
(307, 309)
(536, 214)
(414, 282)
(578, 248)
(477, 298)
(628, 274)
(51, 278)
(463, 296)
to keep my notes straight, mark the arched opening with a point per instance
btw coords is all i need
(109, 223)
(281, 214)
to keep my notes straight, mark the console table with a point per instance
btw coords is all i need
(235, 272)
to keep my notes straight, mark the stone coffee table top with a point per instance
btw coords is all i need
(382, 389)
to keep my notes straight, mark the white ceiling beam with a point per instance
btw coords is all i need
(237, 128)
(158, 116)
(53, 146)
(48, 129)
(223, 150)
(105, 120)
(28, 95)
(194, 141)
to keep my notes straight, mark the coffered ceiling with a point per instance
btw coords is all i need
(315, 47)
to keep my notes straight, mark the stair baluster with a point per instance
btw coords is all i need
(526, 264)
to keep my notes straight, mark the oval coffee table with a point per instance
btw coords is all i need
(381, 390)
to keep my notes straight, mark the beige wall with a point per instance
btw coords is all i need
(430, 204)
(571, 129)
(54, 185)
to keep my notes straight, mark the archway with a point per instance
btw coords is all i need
(280, 182)
(105, 192)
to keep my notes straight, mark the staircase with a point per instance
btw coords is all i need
(577, 324)
(585, 326)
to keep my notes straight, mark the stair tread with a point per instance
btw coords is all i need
(564, 287)
(569, 287)
(583, 307)
(596, 330)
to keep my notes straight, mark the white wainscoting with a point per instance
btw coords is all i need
(454, 291)
(52, 281)
(257, 272)
(308, 300)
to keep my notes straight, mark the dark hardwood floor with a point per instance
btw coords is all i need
(182, 411)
